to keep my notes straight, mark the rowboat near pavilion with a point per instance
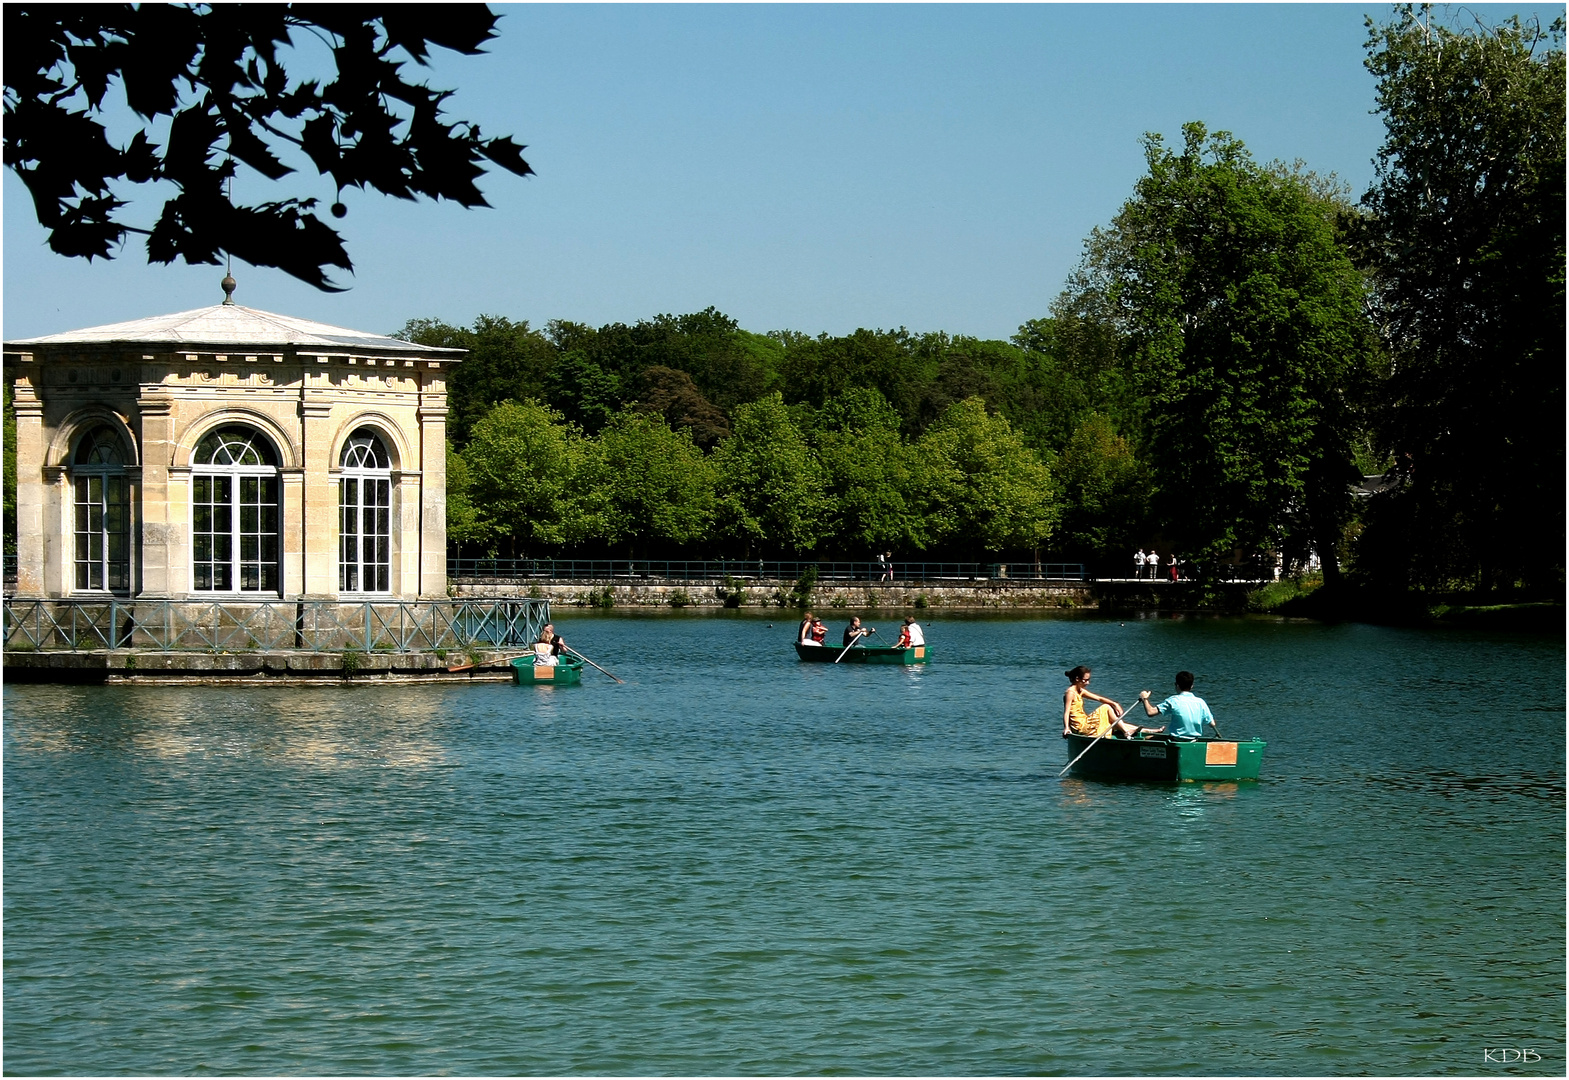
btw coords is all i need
(566, 671)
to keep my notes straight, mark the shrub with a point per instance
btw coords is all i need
(732, 593)
(801, 595)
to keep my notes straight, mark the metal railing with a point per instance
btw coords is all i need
(243, 626)
(515, 570)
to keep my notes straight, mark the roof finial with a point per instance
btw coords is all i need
(228, 284)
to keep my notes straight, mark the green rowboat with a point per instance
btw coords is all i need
(567, 671)
(864, 654)
(1165, 758)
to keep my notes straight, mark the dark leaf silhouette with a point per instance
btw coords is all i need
(215, 74)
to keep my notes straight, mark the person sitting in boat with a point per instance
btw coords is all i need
(819, 631)
(910, 634)
(544, 651)
(854, 632)
(803, 633)
(1189, 713)
(1105, 720)
(557, 642)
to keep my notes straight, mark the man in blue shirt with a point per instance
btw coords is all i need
(1189, 713)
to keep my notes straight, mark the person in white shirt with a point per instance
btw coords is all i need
(1138, 563)
(544, 651)
(910, 633)
(1152, 560)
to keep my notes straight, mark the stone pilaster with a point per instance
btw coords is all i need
(59, 535)
(165, 570)
(30, 449)
(319, 522)
(433, 492)
(133, 497)
(406, 535)
(293, 526)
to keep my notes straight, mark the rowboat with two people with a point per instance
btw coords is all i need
(1104, 745)
(552, 661)
(566, 671)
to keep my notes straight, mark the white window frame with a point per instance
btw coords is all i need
(236, 475)
(107, 473)
(365, 469)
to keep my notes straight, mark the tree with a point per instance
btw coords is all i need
(216, 73)
(1466, 241)
(671, 394)
(464, 524)
(771, 490)
(1083, 364)
(505, 359)
(983, 487)
(869, 476)
(532, 478)
(585, 393)
(659, 487)
(1103, 490)
(1244, 317)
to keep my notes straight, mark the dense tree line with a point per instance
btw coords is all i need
(787, 480)
(1239, 346)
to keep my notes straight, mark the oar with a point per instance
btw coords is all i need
(1109, 729)
(847, 648)
(498, 660)
(589, 662)
(855, 642)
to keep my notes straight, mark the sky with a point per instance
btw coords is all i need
(816, 168)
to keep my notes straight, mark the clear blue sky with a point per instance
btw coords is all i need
(805, 167)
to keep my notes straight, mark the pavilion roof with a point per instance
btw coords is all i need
(231, 326)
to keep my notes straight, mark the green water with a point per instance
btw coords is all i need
(736, 864)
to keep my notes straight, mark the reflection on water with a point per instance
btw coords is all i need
(737, 863)
(325, 728)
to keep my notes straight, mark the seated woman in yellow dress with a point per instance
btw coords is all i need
(1104, 720)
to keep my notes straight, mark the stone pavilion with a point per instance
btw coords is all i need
(230, 454)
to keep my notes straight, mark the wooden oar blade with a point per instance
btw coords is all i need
(589, 662)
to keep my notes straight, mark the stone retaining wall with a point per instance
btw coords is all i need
(859, 595)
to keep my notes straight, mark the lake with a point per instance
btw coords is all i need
(736, 863)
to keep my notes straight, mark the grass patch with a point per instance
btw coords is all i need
(1274, 597)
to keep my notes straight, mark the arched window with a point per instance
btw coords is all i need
(234, 518)
(103, 512)
(365, 515)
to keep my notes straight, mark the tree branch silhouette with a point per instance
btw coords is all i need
(216, 72)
